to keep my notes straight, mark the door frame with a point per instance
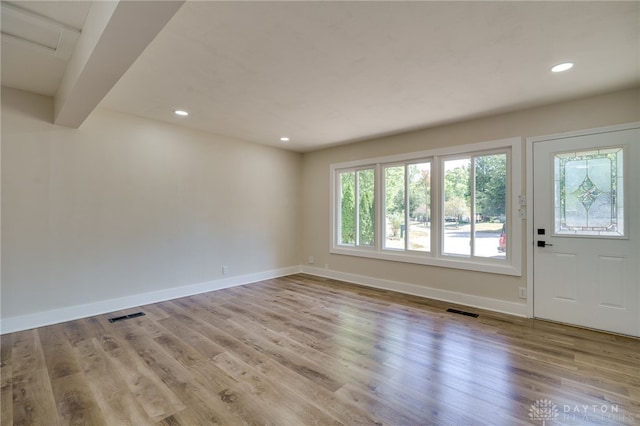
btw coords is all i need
(529, 235)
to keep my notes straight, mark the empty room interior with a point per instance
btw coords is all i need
(320, 213)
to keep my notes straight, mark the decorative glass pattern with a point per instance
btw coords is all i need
(589, 192)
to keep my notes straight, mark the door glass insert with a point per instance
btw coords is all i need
(589, 192)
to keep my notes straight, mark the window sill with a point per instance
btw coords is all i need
(484, 265)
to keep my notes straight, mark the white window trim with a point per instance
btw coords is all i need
(515, 212)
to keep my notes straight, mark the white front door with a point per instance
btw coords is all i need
(586, 230)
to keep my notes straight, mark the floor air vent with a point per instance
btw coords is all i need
(456, 311)
(126, 317)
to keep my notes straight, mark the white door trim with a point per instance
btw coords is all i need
(529, 188)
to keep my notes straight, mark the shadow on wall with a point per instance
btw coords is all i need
(23, 102)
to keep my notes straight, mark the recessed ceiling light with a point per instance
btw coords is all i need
(284, 139)
(181, 112)
(562, 67)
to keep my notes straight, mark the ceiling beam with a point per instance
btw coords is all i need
(114, 35)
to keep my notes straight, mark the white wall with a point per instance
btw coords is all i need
(499, 292)
(126, 206)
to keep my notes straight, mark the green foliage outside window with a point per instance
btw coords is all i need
(366, 207)
(490, 188)
(491, 185)
(365, 220)
(348, 208)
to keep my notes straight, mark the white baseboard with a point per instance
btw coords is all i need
(40, 319)
(495, 305)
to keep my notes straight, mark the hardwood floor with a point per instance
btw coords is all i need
(301, 350)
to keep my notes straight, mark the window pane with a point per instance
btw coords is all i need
(490, 206)
(347, 232)
(366, 207)
(589, 188)
(457, 207)
(394, 207)
(419, 226)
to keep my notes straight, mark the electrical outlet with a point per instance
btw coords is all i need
(311, 259)
(225, 269)
(522, 292)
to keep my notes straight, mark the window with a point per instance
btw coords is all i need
(475, 205)
(347, 230)
(451, 207)
(357, 200)
(407, 206)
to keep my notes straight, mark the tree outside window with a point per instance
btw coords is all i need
(357, 208)
(446, 207)
(475, 205)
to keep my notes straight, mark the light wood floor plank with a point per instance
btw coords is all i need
(303, 350)
(6, 379)
(152, 394)
(33, 400)
(117, 404)
(75, 401)
(275, 403)
(26, 356)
